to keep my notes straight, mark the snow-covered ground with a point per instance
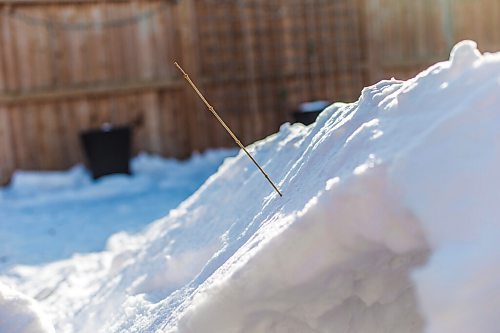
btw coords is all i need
(389, 222)
(49, 216)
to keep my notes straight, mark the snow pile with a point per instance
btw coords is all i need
(21, 314)
(28, 183)
(389, 223)
(48, 216)
(29, 188)
(313, 106)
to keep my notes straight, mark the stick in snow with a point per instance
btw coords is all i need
(211, 109)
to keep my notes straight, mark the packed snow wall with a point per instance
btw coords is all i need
(389, 223)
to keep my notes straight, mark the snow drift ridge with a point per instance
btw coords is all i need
(388, 223)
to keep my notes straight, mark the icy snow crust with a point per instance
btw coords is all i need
(389, 223)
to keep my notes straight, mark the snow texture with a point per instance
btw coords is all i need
(20, 314)
(389, 223)
(48, 216)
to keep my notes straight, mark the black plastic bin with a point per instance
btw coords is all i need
(309, 111)
(108, 150)
(306, 118)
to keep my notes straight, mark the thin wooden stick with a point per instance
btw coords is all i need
(211, 109)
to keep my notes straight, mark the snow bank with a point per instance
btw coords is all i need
(30, 182)
(20, 314)
(49, 216)
(389, 223)
(30, 188)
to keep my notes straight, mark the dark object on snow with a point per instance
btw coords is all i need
(308, 112)
(306, 118)
(108, 150)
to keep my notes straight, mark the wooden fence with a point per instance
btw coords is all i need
(68, 65)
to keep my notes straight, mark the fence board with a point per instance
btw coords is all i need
(9, 55)
(256, 60)
(152, 121)
(3, 76)
(7, 158)
(169, 139)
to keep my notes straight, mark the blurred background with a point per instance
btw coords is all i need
(69, 66)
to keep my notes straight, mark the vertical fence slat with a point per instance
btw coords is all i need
(3, 75)
(7, 159)
(9, 52)
(190, 60)
(152, 121)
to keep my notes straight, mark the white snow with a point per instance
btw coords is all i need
(389, 223)
(48, 216)
(313, 106)
(20, 314)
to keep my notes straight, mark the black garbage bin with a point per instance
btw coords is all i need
(309, 111)
(108, 150)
